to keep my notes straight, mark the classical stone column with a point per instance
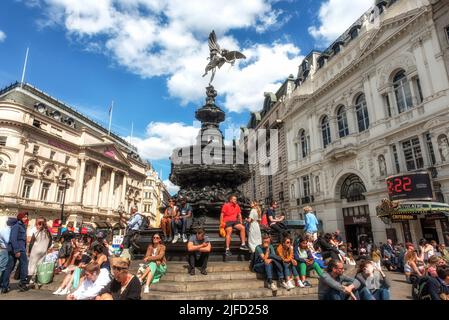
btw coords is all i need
(111, 189)
(124, 189)
(97, 184)
(80, 182)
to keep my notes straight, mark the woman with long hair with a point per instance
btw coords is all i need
(157, 267)
(40, 243)
(413, 266)
(254, 235)
(100, 258)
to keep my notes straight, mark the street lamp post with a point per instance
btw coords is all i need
(62, 204)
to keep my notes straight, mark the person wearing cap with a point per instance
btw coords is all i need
(124, 286)
(17, 251)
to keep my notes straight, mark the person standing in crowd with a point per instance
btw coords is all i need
(311, 223)
(230, 218)
(134, 224)
(17, 251)
(198, 248)
(285, 252)
(157, 267)
(374, 284)
(166, 223)
(306, 261)
(40, 242)
(274, 221)
(5, 233)
(124, 285)
(254, 235)
(334, 285)
(186, 215)
(95, 280)
(67, 237)
(267, 262)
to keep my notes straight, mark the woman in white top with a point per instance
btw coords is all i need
(254, 237)
(39, 245)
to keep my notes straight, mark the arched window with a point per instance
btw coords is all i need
(402, 91)
(325, 131)
(304, 143)
(342, 120)
(353, 189)
(361, 110)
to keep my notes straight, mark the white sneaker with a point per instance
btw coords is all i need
(300, 284)
(146, 289)
(184, 238)
(285, 285)
(175, 239)
(64, 292)
(291, 284)
(273, 286)
(57, 291)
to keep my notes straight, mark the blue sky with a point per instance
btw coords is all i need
(148, 56)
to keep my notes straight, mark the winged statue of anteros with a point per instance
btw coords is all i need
(218, 57)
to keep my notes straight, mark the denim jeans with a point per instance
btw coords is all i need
(23, 265)
(4, 258)
(379, 294)
(178, 225)
(288, 268)
(268, 269)
(334, 294)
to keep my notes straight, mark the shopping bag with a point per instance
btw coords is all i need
(45, 272)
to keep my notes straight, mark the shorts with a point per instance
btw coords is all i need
(232, 224)
(65, 251)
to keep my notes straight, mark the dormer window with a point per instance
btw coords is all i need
(354, 32)
(321, 62)
(337, 48)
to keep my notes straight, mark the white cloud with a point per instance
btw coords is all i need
(336, 16)
(161, 138)
(171, 188)
(2, 36)
(169, 38)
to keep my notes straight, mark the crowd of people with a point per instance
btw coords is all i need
(92, 270)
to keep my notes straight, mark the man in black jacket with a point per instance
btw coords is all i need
(327, 249)
(438, 288)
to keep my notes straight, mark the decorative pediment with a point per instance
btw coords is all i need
(436, 122)
(109, 151)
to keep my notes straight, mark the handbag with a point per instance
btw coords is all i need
(45, 272)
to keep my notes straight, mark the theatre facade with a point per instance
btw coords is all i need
(50, 155)
(374, 104)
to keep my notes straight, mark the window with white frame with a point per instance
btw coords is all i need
(44, 191)
(396, 158)
(325, 131)
(304, 141)
(305, 185)
(413, 154)
(60, 196)
(26, 191)
(342, 121)
(402, 92)
(361, 110)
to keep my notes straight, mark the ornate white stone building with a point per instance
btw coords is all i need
(45, 146)
(155, 195)
(374, 104)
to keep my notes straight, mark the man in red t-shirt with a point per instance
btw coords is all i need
(231, 217)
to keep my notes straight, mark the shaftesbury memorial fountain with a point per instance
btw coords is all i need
(208, 171)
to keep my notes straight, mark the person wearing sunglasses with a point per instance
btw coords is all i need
(334, 285)
(124, 286)
(306, 261)
(156, 267)
(266, 262)
(40, 243)
(285, 251)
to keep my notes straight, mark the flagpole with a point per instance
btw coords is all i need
(132, 131)
(24, 68)
(110, 117)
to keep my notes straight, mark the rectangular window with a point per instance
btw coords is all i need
(28, 184)
(412, 154)
(44, 192)
(60, 196)
(281, 193)
(37, 123)
(280, 163)
(306, 186)
(447, 33)
(36, 150)
(254, 187)
(52, 155)
(3, 141)
(270, 186)
(396, 159)
(430, 149)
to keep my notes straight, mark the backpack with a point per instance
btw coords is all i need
(419, 289)
(145, 223)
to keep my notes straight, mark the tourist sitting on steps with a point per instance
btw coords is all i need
(95, 279)
(275, 221)
(185, 217)
(266, 262)
(306, 261)
(198, 248)
(374, 284)
(285, 252)
(156, 267)
(166, 223)
(231, 218)
(334, 285)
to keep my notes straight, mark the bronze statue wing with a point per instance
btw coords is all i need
(213, 45)
(234, 55)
